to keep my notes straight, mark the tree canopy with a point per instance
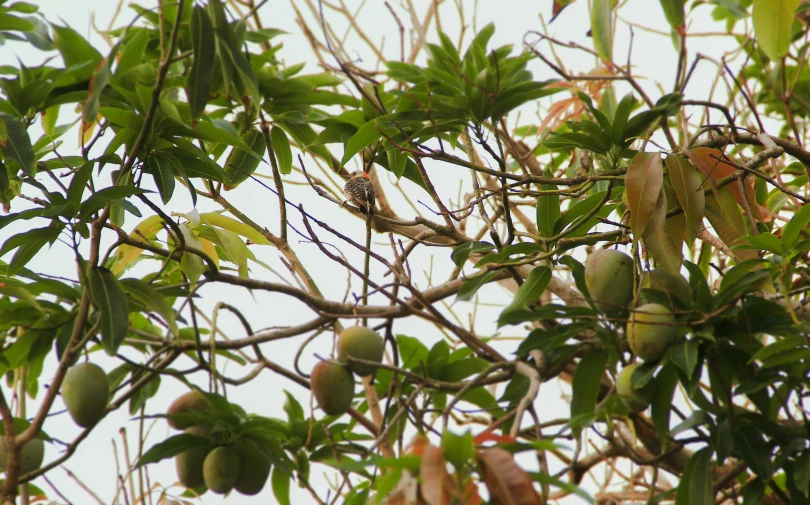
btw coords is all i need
(650, 239)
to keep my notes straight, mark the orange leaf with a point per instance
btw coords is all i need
(643, 181)
(709, 162)
(417, 445)
(437, 485)
(508, 484)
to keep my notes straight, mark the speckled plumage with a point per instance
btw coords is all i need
(359, 191)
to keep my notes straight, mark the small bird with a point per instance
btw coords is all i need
(359, 191)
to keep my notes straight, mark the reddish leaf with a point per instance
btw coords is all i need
(471, 496)
(508, 484)
(709, 162)
(688, 186)
(437, 485)
(643, 181)
(658, 239)
(559, 5)
(488, 436)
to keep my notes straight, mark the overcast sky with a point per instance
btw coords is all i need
(652, 54)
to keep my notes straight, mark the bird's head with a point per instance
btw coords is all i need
(360, 173)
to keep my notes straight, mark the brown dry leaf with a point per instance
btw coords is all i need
(437, 484)
(508, 484)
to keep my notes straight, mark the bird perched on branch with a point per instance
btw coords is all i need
(359, 191)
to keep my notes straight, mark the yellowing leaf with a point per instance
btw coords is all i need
(227, 223)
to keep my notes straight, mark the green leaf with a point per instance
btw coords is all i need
(412, 351)
(673, 10)
(685, 355)
(458, 449)
(529, 292)
(161, 168)
(791, 233)
(16, 144)
(397, 161)
(111, 301)
(151, 298)
(202, 66)
(28, 243)
(132, 51)
(281, 149)
(99, 81)
(773, 20)
(586, 384)
(74, 49)
(661, 405)
(365, 136)
(13, 23)
(280, 481)
(754, 450)
(461, 253)
(548, 211)
(242, 163)
(172, 447)
(645, 176)
(602, 28)
(294, 410)
(695, 487)
(472, 284)
(801, 473)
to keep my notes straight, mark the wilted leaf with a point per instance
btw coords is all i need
(645, 176)
(437, 484)
(711, 165)
(659, 241)
(688, 186)
(508, 484)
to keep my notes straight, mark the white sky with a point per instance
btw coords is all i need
(653, 56)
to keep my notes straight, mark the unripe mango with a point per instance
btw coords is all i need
(664, 280)
(609, 277)
(31, 455)
(635, 399)
(221, 469)
(193, 400)
(86, 391)
(361, 343)
(189, 464)
(650, 331)
(333, 387)
(255, 469)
